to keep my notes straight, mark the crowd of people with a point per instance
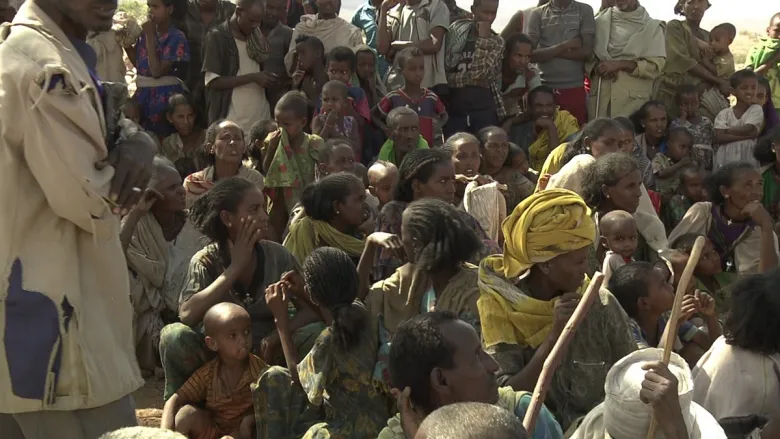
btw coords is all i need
(316, 228)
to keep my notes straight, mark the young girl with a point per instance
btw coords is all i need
(690, 191)
(257, 135)
(737, 128)
(650, 124)
(310, 74)
(518, 159)
(333, 121)
(764, 99)
(184, 147)
(495, 150)
(161, 57)
(701, 127)
(335, 377)
(289, 158)
(226, 150)
(667, 165)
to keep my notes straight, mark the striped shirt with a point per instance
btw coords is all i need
(428, 107)
(226, 406)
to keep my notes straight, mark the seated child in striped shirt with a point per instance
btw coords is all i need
(222, 385)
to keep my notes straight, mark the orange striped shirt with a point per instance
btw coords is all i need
(226, 406)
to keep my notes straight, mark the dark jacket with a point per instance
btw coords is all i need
(220, 56)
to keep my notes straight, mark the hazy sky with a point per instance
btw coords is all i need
(749, 14)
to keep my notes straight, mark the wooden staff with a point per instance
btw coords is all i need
(552, 361)
(670, 331)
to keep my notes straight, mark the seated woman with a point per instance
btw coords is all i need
(236, 267)
(612, 183)
(651, 123)
(226, 149)
(739, 227)
(495, 150)
(547, 127)
(424, 173)
(333, 382)
(159, 243)
(740, 375)
(333, 209)
(437, 243)
(528, 294)
(184, 147)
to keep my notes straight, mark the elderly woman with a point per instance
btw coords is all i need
(528, 294)
(629, 54)
(684, 55)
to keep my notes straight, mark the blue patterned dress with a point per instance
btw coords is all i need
(171, 46)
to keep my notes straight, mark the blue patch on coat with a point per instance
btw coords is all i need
(32, 329)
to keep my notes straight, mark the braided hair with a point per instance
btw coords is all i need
(418, 165)
(318, 198)
(440, 237)
(332, 282)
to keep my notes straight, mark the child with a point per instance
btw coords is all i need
(361, 172)
(495, 151)
(132, 111)
(424, 102)
(335, 156)
(216, 400)
(185, 147)
(619, 239)
(335, 376)
(374, 89)
(764, 58)
(382, 179)
(666, 165)
(737, 128)
(690, 191)
(709, 275)
(341, 67)
(644, 292)
(403, 135)
(310, 74)
(518, 159)
(333, 120)
(720, 64)
(701, 127)
(289, 159)
(257, 135)
(764, 99)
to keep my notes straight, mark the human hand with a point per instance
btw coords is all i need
(132, 162)
(331, 117)
(683, 114)
(297, 78)
(758, 214)
(148, 199)
(388, 241)
(544, 180)
(277, 299)
(295, 283)
(265, 80)
(659, 389)
(690, 306)
(483, 29)
(706, 305)
(562, 312)
(390, 4)
(608, 67)
(411, 418)
(242, 249)
(269, 348)
(148, 27)
(544, 123)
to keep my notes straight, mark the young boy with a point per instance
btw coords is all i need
(382, 179)
(403, 135)
(618, 240)
(666, 166)
(222, 385)
(721, 38)
(764, 58)
(690, 191)
(424, 102)
(646, 294)
(310, 74)
(341, 66)
(257, 135)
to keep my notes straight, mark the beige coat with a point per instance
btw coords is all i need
(64, 286)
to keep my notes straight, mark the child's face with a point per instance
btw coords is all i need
(229, 145)
(655, 122)
(340, 71)
(709, 262)
(745, 91)
(290, 122)
(341, 159)
(762, 95)
(496, 149)
(307, 57)
(679, 146)
(520, 162)
(414, 70)
(622, 238)
(366, 65)
(693, 187)
(660, 293)
(625, 141)
(689, 103)
(332, 100)
(773, 31)
(519, 57)
(132, 112)
(233, 339)
(383, 184)
(158, 12)
(720, 41)
(183, 119)
(466, 158)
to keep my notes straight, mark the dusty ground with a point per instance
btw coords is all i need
(149, 402)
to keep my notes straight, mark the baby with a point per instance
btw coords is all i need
(722, 59)
(667, 165)
(216, 400)
(618, 240)
(382, 179)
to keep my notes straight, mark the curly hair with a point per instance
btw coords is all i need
(764, 149)
(592, 131)
(225, 195)
(332, 281)
(724, 176)
(343, 54)
(542, 89)
(629, 283)
(608, 170)
(319, 197)
(419, 347)
(405, 55)
(752, 323)
(440, 238)
(419, 164)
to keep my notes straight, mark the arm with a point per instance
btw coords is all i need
(365, 268)
(723, 136)
(487, 53)
(319, 128)
(767, 251)
(231, 82)
(548, 53)
(429, 46)
(157, 66)
(192, 309)
(646, 68)
(671, 170)
(128, 227)
(587, 35)
(288, 347)
(526, 379)
(582, 53)
(384, 34)
(514, 26)
(770, 64)
(172, 406)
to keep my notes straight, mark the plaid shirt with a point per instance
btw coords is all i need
(485, 70)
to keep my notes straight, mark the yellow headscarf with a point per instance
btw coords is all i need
(307, 234)
(545, 225)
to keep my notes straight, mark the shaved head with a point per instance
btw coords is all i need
(380, 170)
(614, 219)
(219, 315)
(471, 420)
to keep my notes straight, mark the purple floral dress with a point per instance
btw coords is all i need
(171, 46)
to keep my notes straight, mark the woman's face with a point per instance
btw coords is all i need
(567, 271)
(170, 187)
(229, 145)
(605, 144)
(543, 106)
(251, 208)
(158, 12)
(746, 187)
(519, 57)
(624, 195)
(496, 149)
(351, 209)
(655, 122)
(183, 119)
(465, 157)
(441, 185)
(625, 141)
(762, 95)
(695, 9)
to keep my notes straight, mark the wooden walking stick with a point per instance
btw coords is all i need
(670, 332)
(552, 361)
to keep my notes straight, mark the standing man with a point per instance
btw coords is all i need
(67, 356)
(274, 39)
(562, 34)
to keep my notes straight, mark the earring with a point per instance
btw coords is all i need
(337, 212)
(608, 196)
